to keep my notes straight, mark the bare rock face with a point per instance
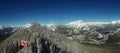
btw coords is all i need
(115, 37)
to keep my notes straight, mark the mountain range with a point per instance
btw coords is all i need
(74, 37)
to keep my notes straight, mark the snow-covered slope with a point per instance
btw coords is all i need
(78, 24)
(115, 22)
(97, 23)
(8, 29)
(4, 26)
(81, 24)
(102, 23)
(51, 26)
(27, 25)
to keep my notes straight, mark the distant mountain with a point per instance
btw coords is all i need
(78, 24)
(6, 31)
(27, 25)
(114, 37)
(51, 26)
(115, 22)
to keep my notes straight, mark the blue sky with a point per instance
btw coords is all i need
(20, 12)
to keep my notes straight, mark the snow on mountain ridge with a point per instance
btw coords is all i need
(116, 22)
(97, 23)
(27, 25)
(78, 24)
(51, 26)
(5, 26)
(75, 22)
(81, 23)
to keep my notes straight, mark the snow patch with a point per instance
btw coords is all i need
(78, 24)
(27, 25)
(115, 22)
(51, 26)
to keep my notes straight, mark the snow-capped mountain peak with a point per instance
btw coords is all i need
(27, 25)
(77, 24)
(5, 26)
(97, 23)
(51, 26)
(115, 22)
